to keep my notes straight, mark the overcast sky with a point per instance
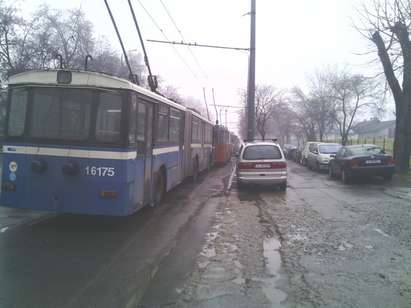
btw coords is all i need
(294, 38)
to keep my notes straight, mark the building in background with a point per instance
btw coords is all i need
(374, 128)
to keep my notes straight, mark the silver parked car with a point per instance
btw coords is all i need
(320, 155)
(262, 163)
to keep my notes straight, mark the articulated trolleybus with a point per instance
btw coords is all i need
(85, 142)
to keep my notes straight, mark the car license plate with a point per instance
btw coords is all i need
(262, 166)
(373, 161)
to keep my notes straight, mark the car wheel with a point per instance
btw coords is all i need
(345, 177)
(240, 184)
(160, 188)
(331, 172)
(388, 178)
(283, 187)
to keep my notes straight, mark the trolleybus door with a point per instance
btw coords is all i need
(148, 153)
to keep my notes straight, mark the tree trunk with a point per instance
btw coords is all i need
(402, 98)
(344, 139)
(402, 137)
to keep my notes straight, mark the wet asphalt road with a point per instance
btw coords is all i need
(83, 261)
(340, 246)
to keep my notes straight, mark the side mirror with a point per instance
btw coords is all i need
(315, 151)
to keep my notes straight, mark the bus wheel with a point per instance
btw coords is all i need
(210, 163)
(195, 170)
(160, 188)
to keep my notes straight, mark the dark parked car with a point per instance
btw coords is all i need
(289, 150)
(364, 160)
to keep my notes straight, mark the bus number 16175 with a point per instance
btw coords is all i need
(100, 171)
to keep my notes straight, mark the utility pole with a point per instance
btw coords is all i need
(251, 78)
(226, 123)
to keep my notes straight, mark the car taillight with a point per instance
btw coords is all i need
(245, 165)
(391, 161)
(355, 163)
(279, 165)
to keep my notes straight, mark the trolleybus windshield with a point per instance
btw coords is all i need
(63, 114)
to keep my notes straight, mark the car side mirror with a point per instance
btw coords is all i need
(315, 151)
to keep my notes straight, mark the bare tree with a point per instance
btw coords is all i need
(69, 32)
(283, 123)
(266, 99)
(10, 26)
(305, 114)
(321, 104)
(387, 25)
(34, 43)
(352, 94)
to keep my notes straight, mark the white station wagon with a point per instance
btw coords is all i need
(262, 163)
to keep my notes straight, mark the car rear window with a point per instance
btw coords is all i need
(329, 148)
(256, 152)
(366, 150)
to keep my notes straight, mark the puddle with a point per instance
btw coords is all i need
(273, 264)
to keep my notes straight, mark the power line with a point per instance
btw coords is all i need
(228, 106)
(165, 36)
(198, 45)
(182, 37)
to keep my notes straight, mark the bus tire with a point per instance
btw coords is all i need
(196, 169)
(160, 187)
(210, 163)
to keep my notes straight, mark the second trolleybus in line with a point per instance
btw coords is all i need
(86, 142)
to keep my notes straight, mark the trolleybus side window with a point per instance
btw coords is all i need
(208, 134)
(132, 120)
(196, 130)
(175, 116)
(17, 116)
(163, 122)
(108, 126)
(141, 122)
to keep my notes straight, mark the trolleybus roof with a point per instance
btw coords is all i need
(89, 79)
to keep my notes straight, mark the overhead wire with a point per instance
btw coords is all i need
(182, 38)
(166, 37)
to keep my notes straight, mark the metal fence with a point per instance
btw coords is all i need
(387, 144)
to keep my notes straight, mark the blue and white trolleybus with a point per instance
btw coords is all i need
(86, 142)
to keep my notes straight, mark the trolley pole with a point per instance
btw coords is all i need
(251, 78)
